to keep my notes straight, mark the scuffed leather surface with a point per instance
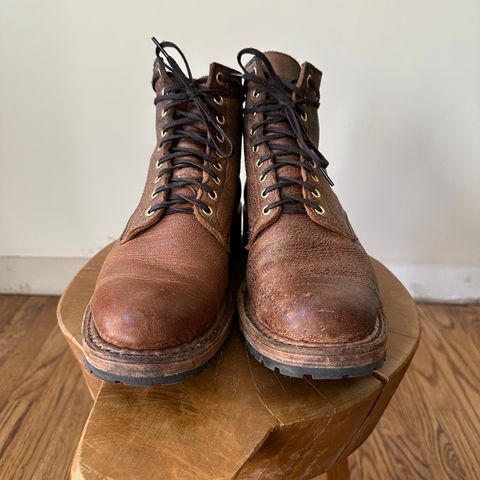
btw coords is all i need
(163, 288)
(308, 277)
(309, 284)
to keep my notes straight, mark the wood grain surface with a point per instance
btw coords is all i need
(429, 431)
(43, 399)
(237, 419)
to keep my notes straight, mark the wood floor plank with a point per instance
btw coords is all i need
(16, 314)
(468, 317)
(457, 360)
(42, 418)
(29, 329)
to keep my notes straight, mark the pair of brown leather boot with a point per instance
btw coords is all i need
(309, 305)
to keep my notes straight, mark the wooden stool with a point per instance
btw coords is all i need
(236, 419)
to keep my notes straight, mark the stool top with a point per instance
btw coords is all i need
(236, 419)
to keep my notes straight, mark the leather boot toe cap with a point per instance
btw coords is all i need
(337, 312)
(141, 315)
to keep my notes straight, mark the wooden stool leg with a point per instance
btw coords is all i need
(340, 471)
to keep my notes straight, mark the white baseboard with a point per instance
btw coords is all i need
(438, 283)
(425, 282)
(38, 275)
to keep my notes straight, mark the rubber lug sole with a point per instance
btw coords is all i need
(320, 373)
(145, 381)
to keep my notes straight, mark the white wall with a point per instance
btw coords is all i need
(400, 121)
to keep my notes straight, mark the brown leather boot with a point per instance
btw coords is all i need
(310, 304)
(161, 307)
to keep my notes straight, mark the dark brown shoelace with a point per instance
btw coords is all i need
(281, 109)
(190, 105)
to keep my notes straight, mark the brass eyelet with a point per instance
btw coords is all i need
(314, 178)
(164, 112)
(164, 132)
(258, 163)
(149, 212)
(316, 193)
(158, 164)
(207, 211)
(220, 119)
(304, 116)
(319, 210)
(217, 78)
(154, 194)
(157, 179)
(255, 149)
(217, 180)
(218, 166)
(213, 194)
(266, 210)
(264, 193)
(313, 164)
(218, 100)
(255, 94)
(262, 178)
(163, 91)
(220, 138)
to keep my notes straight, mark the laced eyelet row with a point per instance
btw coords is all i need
(212, 150)
(279, 102)
(319, 210)
(264, 193)
(220, 118)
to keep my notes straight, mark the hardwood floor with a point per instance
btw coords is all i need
(431, 429)
(43, 400)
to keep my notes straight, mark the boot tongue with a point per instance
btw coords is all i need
(284, 65)
(287, 68)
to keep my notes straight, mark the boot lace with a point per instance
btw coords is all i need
(193, 114)
(282, 114)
